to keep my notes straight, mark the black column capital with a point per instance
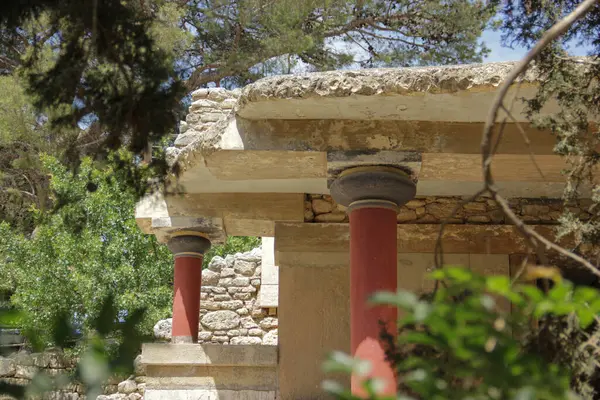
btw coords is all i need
(188, 244)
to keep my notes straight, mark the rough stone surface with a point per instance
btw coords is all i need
(209, 277)
(246, 340)
(244, 267)
(162, 329)
(127, 386)
(434, 210)
(271, 338)
(7, 367)
(220, 320)
(19, 368)
(385, 81)
(217, 264)
(228, 305)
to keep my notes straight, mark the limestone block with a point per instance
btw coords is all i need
(219, 94)
(204, 103)
(138, 365)
(269, 323)
(220, 339)
(243, 267)
(227, 272)
(221, 320)
(219, 290)
(420, 211)
(336, 216)
(127, 386)
(405, 215)
(442, 210)
(255, 332)
(475, 207)
(228, 104)
(192, 118)
(204, 335)
(162, 329)
(535, 210)
(200, 94)
(23, 358)
(183, 126)
(7, 367)
(230, 260)
(222, 297)
(187, 138)
(25, 371)
(217, 264)
(242, 311)
(254, 255)
(242, 296)
(248, 323)
(209, 277)
(134, 396)
(414, 204)
(245, 340)
(211, 117)
(271, 338)
(321, 206)
(241, 281)
(478, 219)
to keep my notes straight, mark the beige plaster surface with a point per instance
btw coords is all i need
(165, 354)
(412, 238)
(313, 320)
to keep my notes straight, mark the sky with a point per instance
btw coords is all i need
(498, 52)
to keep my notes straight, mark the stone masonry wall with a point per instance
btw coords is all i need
(229, 309)
(20, 368)
(433, 210)
(208, 106)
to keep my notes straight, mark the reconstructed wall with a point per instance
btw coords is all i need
(433, 210)
(208, 106)
(20, 368)
(230, 312)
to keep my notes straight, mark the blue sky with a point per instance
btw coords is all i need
(499, 53)
(492, 40)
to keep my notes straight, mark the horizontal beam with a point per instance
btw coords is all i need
(209, 354)
(297, 238)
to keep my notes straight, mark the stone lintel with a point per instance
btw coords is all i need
(447, 93)
(217, 355)
(321, 238)
(204, 394)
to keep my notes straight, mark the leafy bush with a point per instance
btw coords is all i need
(89, 248)
(460, 343)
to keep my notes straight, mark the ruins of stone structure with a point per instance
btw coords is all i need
(230, 307)
(350, 173)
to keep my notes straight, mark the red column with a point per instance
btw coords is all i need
(186, 301)
(188, 248)
(373, 268)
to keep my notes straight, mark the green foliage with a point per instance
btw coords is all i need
(99, 358)
(23, 136)
(571, 83)
(234, 244)
(459, 343)
(88, 249)
(237, 41)
(103, 64)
